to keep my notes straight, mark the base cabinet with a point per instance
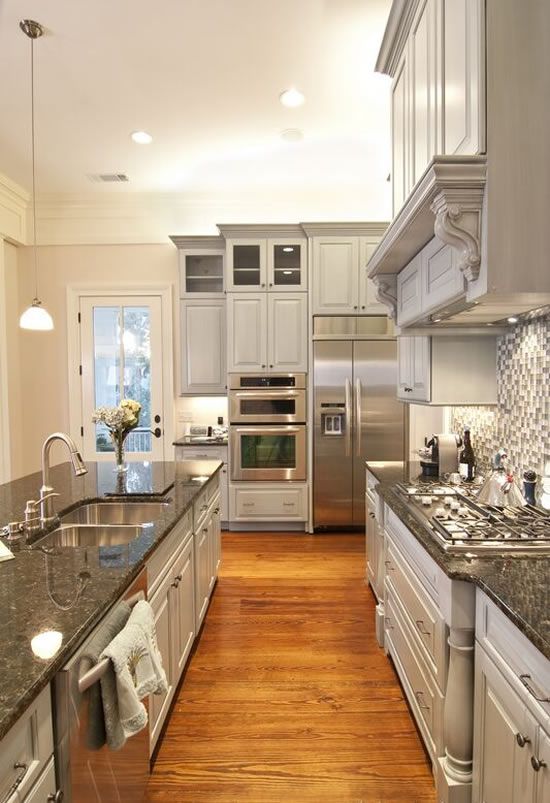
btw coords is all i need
(268, 502)
(512, 712)
(192, 452)
(159, 704)
(207, 556)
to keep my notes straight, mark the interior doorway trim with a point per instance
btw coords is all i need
(5, 453)
(74, 294)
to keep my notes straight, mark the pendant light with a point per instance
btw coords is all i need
(35, 317)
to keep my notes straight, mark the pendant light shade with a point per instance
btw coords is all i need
(35, 317)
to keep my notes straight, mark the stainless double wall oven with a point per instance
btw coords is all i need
(267, 431)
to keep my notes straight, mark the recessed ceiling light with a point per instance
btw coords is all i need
(292, 98)
(289, 249)
(141, 137)
(512, 319)
(292, 135)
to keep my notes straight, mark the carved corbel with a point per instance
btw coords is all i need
(386, 292)
(459, 225)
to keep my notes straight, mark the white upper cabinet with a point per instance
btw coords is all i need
(463, 76)
(267, 332)
(340, 284)
(287, 264)
(246, 265)
(424, 88)
(409, 288)
(203, 346)
(401, 154)
(414, 369)
(201, 273)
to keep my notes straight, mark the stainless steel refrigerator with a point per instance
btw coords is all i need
(356, 418)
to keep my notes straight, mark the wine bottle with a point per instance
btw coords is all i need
(467, 460)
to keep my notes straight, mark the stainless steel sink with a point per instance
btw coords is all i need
(89, 535)
(113, 513)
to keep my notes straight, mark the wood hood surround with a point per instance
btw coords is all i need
(492, 208)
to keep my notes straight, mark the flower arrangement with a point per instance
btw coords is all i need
(120, 421)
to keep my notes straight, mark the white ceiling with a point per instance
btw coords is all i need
(203, 77)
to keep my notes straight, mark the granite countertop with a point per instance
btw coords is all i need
(518, 583)
(70, 589)
(187, 440)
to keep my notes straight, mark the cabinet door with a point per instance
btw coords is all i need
(503, 772)
(203, 339)
(442, 282)
(247, 332)
(287, 332)
(409, 292)
(542, 780)
(368, 303)
(463, 65)
(224, 493)
(400, 96)
(44, 789)
(201, 273)
(159, 703)
(422, 369)
(405, 356)
(182, 618)
(335, 275)
(423, 94)
(216, 542)
(287, 264)
(202, 574)
(246, 265)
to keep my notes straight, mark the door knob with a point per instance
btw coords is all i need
(157, 432)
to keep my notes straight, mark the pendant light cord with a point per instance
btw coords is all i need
(33, 175)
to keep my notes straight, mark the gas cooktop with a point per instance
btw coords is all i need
(460, 524)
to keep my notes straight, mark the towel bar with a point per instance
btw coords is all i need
(90, 677)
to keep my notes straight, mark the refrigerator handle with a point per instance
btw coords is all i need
(358, 402)
(348, 418)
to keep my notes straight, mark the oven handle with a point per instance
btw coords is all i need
(348, 417)
(266, 394)
(276, 429)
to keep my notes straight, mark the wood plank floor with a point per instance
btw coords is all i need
(288, 696)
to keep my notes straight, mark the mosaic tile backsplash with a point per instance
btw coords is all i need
(520, 422)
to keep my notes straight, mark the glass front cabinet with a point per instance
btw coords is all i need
(201, 266)
(277, 263)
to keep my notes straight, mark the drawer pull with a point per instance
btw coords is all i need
(540, 698)
(522, 740)
(421, 629)
(217, 510)
(387, 620)
(420, 700)
(248, 504)
(389, 567)
(289, 504)
(56, 797)
(372, 516)
(18, 781)
(537, 763)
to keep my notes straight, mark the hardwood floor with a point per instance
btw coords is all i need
(288, 696)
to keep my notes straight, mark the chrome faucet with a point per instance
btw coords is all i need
(46, 491)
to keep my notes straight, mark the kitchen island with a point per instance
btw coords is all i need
(68, 590)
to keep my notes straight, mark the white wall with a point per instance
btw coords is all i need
(199, 410)
(43, 371)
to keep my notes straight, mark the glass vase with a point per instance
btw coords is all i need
(119, 438)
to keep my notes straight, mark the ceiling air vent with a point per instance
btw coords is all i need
(108, 178)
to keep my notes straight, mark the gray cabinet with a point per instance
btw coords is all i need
(203, 346)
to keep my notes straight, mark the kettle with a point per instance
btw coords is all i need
(500, 488)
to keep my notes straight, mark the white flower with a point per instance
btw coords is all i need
(121, 418)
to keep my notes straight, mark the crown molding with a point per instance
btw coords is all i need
(345, 229)
(203, 242)
(14, 205)
(446, 203)
(395, 37)
(232, 231)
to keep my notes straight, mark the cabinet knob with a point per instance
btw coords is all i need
(420, 700)
(389, 625)
(263, 366)
(537, 763)
(56, 797)
(271, 366)
(372, 515)
(522, 740)
(422, 629)
(408, 390)
(389, 567)
(263, 285)
(363, 306)
(271, 284)
(355, 306)
(217, 510)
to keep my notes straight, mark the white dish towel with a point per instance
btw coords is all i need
(138, 669)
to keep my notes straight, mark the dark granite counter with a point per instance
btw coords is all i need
(69, 590)
(518, 583)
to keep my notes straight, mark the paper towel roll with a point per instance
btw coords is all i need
(448, 454)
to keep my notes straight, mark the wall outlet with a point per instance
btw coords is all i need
(185, 418)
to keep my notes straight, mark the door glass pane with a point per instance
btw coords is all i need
(246, 265)
(122, 369)
(268, 451)
(286, 264)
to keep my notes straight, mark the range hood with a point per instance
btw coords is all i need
(505, 265)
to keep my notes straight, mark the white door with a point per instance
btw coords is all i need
(121, 358)
(247, 332)
(335, 275)
(202, 573)
(543, 774)
(182, 615)
(287, 332)
(422, 369)
(159, 703)
(203, 339)
(405, 358)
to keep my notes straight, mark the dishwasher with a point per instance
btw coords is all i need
(89, 775)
